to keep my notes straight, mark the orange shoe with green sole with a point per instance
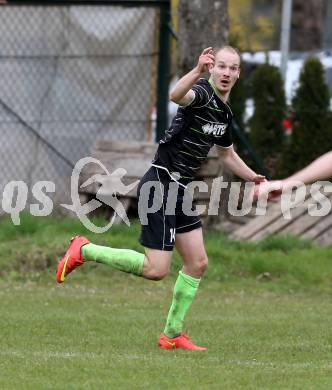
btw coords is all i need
(72, 259)
(182, 342)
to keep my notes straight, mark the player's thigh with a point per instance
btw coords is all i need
(191, 247)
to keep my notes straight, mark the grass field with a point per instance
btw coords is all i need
(264, 311)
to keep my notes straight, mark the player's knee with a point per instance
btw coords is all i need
(155, 271)
(158, 274)
(202, 264)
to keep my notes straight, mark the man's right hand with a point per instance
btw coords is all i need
(182, 93)
(205, 59)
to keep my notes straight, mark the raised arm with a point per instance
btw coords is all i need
(181, 93)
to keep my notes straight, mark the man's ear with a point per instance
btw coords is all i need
(210, 67)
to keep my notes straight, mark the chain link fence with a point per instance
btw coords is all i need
(71, 75)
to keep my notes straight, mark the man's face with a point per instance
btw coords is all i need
(226, 70)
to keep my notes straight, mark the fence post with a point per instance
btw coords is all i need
(163, 70)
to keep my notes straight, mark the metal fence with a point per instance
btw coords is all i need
(72, 74)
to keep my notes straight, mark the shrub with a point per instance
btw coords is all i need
(312, 129)
(266, 131)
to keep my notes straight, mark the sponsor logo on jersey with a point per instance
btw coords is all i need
(215, 103)
(215, 129)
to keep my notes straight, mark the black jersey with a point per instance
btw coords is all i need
(205, 122)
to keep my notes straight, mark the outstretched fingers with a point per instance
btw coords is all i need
(208, 50)
(206, 58)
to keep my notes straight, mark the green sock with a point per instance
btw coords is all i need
(184, 292)
(125, 260)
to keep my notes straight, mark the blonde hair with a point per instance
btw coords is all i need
(232, 49)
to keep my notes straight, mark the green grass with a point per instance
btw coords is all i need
(264, 311)
(101, 333)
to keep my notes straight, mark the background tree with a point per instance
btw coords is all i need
(266, 131)
(310, 21)
(237, 100)
(202, 23)
(306, 29)
(263, 30)
(312, 128)
(238, 95)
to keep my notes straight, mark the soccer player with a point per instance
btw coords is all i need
(319, 169)
(203, 119)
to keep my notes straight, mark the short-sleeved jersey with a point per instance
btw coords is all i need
(205, 122)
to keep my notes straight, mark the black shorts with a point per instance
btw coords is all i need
(159, 228)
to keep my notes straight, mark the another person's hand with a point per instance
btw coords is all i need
(271, 189)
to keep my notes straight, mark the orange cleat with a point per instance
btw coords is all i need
(183, 342)
(72, 259)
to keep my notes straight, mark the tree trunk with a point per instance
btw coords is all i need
(306, 25)
(202, 23)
